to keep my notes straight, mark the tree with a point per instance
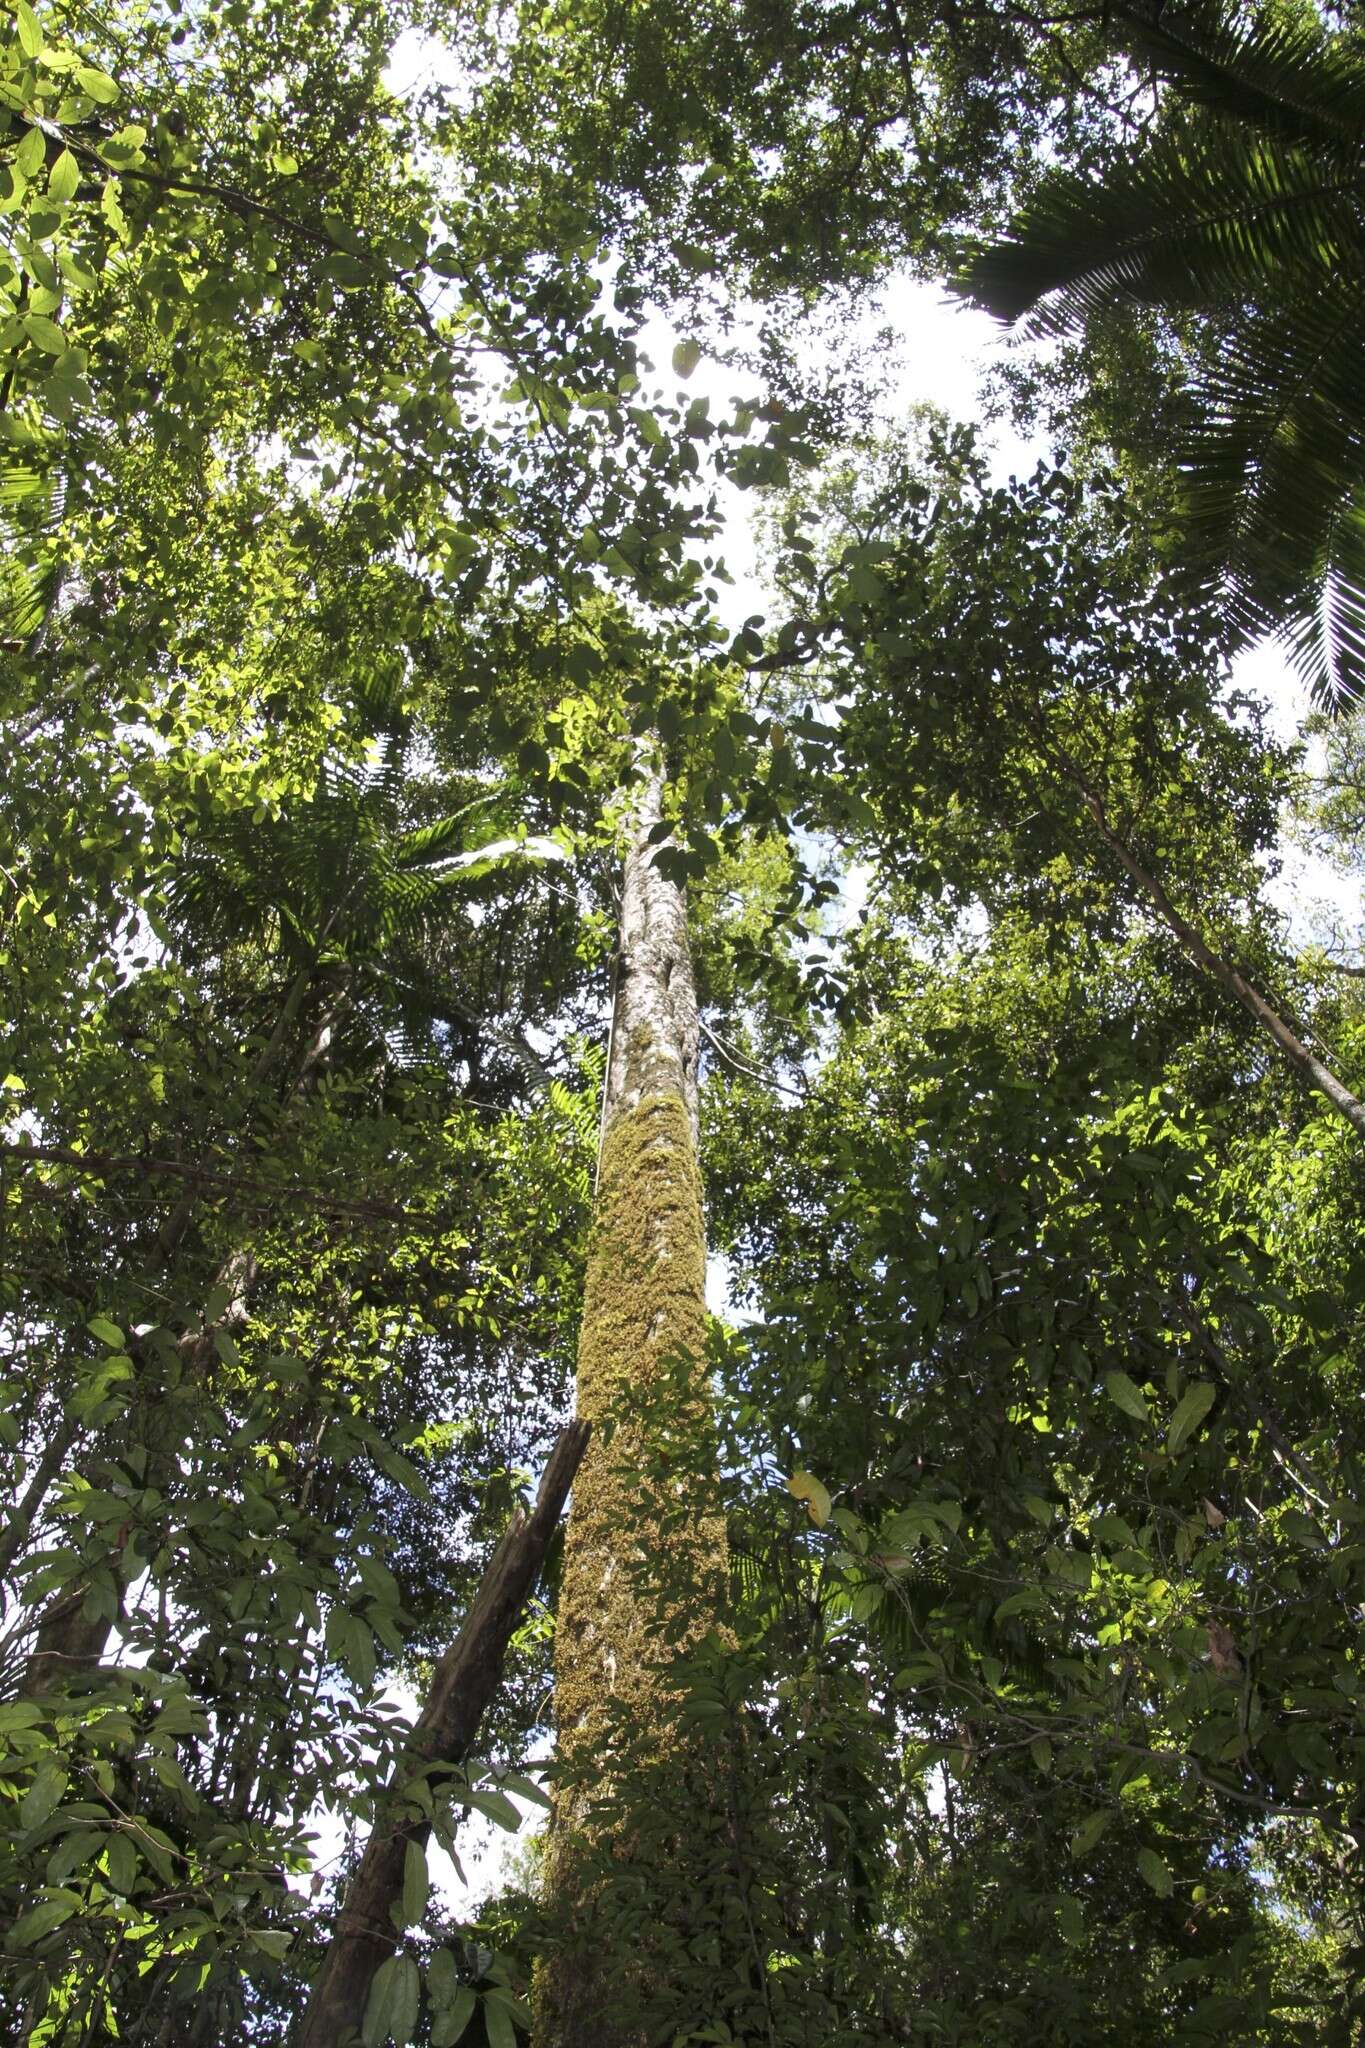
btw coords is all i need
(991, 1256)
(645, 1560)
(265, 884)
(1243, 211)
(1039, 656)
(965, 1646)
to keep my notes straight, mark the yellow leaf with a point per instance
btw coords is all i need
(805, 1486)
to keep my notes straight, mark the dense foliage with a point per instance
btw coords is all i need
(354, 549)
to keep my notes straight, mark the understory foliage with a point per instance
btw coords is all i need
(353, 546)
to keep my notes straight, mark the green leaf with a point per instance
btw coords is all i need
(1193, 1406)
(1125, 1394)
(64, 179)
(498, 2022)
(402, 1471)
(42, 1918)
(44, 1794)
(525, 1788)
(1072, 1567)
(112, 210)
(1154, 1872)
(44, 333)
(107, 1332)
(416, 1884)
(498, 1807)
(1071, 1919)
(124, 149)
(30, 30)
(72, 1851)
(97, 85)
(271, 1941)
(1089, 1832)
(120, 1859)
(395, 1997)
(454, 2016)
(686, 356)
(31, 152)
(1029, 1601)
(443, 1979)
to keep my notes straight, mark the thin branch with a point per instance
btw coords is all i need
(100, 1163)
(769, 1079)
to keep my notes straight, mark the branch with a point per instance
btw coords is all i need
(769, 1080)
(100, 1163)
(462, 1686)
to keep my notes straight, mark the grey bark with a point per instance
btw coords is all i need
(654, 1032)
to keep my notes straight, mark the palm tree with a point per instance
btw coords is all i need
(1247, 209)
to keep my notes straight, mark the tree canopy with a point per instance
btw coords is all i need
(371, 676)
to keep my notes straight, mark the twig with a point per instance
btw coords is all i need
(769, 1080)
(100, 1163)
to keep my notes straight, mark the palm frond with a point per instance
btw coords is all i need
(427, 843)
(1325, 636)
(475, 863)
(1290, 79)
(1196, 222)
(32, 500)
(1246, 211)
(1272, 475)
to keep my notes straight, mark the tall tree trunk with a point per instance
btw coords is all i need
(645, 1555)
(462, 1686)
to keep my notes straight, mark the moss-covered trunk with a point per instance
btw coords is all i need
(645, 1560)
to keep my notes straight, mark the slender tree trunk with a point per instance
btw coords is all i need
(75, 1625)
(74, 1629)
(20, 1524)
(1306, 1063)
(461, 1688)
(645, 1554)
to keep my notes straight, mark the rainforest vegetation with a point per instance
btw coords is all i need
(446, 914)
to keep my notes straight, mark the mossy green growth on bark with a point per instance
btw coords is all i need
(643, 1584)
(645, 1557)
